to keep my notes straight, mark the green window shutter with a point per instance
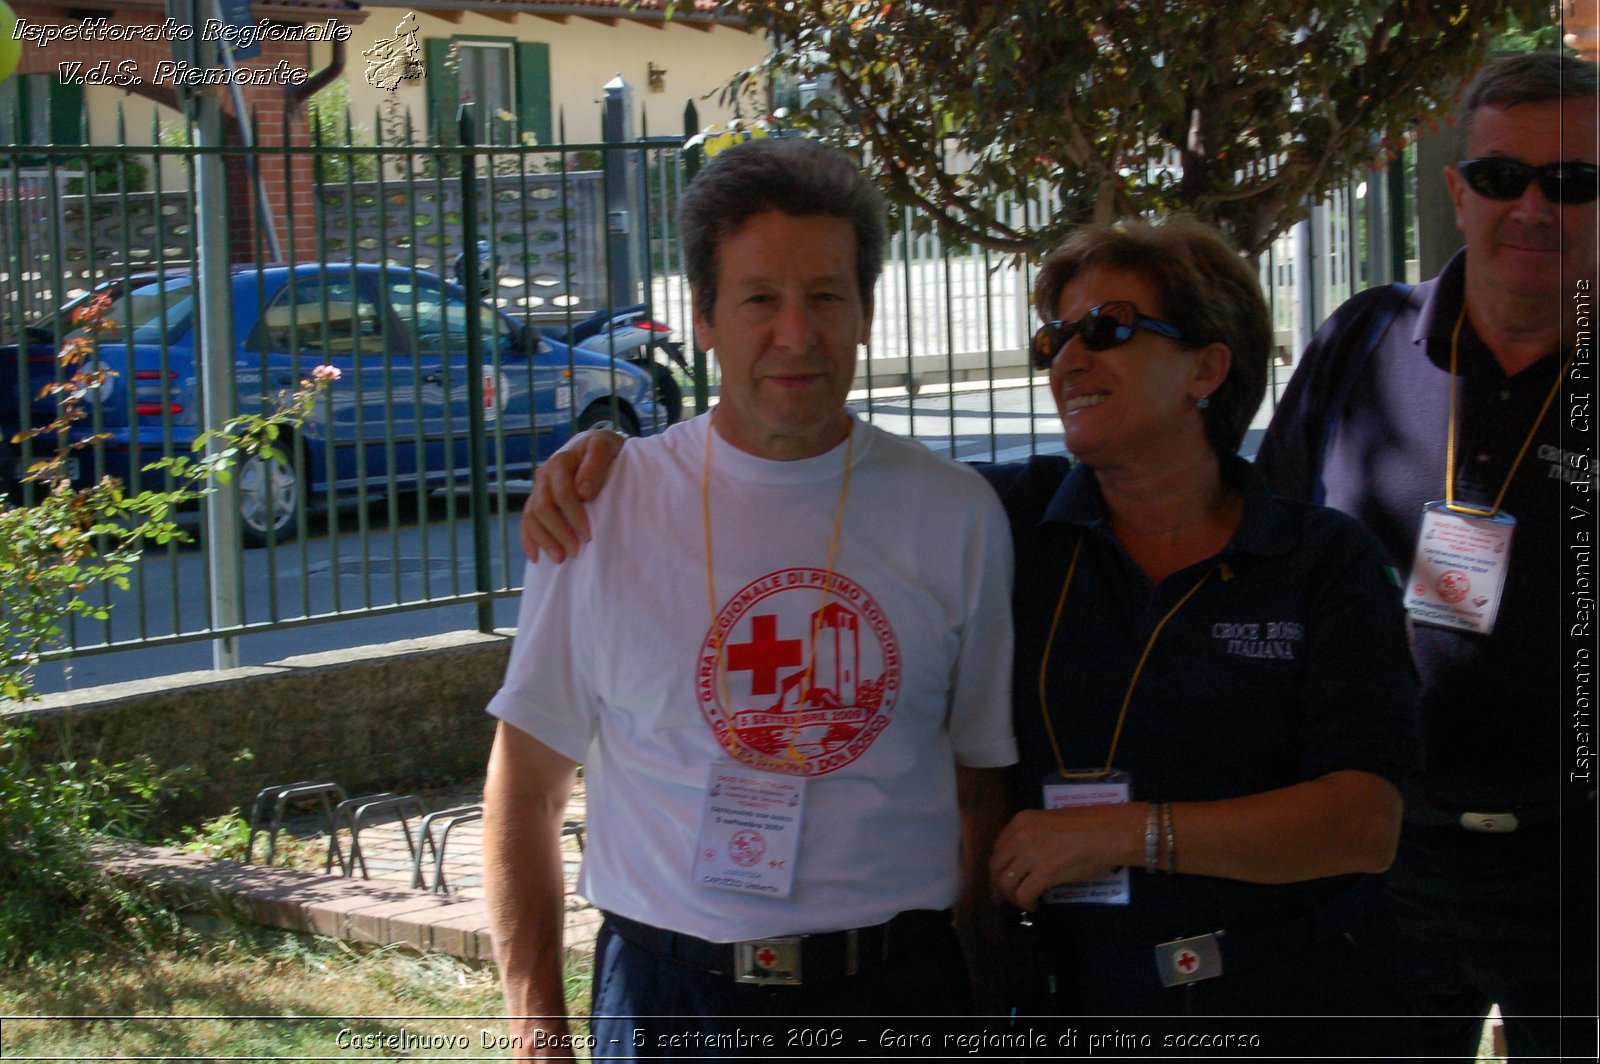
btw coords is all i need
(444, 92)
(13, 121)
(533, 90)
(66, 113)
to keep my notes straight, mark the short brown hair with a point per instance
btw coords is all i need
(1205, 288)
(790, 174)
(1531, 77)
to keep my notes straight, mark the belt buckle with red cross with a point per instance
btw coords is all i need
(1189, 960)
(768, 961)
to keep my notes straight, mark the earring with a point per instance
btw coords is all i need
(1203, 402)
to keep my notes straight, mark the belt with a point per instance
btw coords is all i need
(1493, 822)
(791, 960)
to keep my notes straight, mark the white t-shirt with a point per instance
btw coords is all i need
(614, 666)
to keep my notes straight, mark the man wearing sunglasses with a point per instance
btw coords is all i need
(1451, 419)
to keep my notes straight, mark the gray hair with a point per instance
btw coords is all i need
(790, 174)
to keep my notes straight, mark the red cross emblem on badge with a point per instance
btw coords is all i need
(766, 958)
(1187, 962)
(488, 391)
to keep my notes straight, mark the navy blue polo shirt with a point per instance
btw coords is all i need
(1490, 703)
(1288, 662)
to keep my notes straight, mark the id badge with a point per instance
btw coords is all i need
(1459, 570)
(749, 831)
(1105, 789)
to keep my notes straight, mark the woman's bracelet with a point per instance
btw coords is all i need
(1172, 838)
(1151, 838)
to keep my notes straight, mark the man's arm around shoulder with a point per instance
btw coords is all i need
(524, 803)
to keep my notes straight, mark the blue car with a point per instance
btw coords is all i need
(397, 413)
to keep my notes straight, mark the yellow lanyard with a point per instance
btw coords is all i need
(1450, 434)
(793, 754)
(1127, 698)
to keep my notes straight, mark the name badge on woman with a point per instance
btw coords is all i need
(1459, 569)
(1089, 787)
(749, 831)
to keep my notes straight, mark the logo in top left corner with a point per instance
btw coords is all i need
(395, 59)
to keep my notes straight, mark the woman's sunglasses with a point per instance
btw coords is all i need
(1499, 178)
(1104, 327)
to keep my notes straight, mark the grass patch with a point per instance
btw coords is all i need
(261, 994)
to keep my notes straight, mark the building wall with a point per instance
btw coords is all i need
(584, 55)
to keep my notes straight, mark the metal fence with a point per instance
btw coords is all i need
(376, 533)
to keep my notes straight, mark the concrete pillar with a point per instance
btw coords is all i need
(1437, 235)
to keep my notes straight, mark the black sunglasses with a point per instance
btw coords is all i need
(1104, 327)
(1500, 178)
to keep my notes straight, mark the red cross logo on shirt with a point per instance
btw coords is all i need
(1187, 962)
(767, 958)
(764, 655)
(488, 391)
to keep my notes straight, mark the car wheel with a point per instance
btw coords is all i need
(669, 395)
(599, 416)
(269, 499)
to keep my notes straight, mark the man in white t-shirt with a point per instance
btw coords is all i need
(784, 661)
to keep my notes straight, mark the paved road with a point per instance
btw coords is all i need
(419, 554)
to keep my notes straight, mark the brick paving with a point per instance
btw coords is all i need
(384, 907)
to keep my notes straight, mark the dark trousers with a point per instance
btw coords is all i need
(1322, 998)
(647, 1007)
(1506, 919)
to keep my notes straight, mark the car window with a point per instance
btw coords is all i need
(147, 312)
(318, 316)
(437, 317)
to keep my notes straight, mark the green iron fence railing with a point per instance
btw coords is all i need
(403, 493)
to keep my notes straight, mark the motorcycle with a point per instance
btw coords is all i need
(628, 333)
(631, 334)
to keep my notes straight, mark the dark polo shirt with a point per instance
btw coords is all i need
(1491, 703)
(1287, 663)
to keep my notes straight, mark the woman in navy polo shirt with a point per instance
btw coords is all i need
(1213, 694)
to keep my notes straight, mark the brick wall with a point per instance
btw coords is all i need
(267, 105)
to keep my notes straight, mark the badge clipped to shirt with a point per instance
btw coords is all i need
(1459, 569)
(1070, 792)
(749, 831)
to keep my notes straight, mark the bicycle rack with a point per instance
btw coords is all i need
(278, 797)
(574, 828)
(353, 814)
(447, 819)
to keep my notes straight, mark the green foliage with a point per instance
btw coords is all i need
(247, 993)
(52, 894)
(1523, 35)
(1241, 113)
(328, 114)
(54, 898)
(226, 837)
(111, 174)
(72, 539)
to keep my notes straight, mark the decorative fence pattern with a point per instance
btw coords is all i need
(545, 231)
(942, 314)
